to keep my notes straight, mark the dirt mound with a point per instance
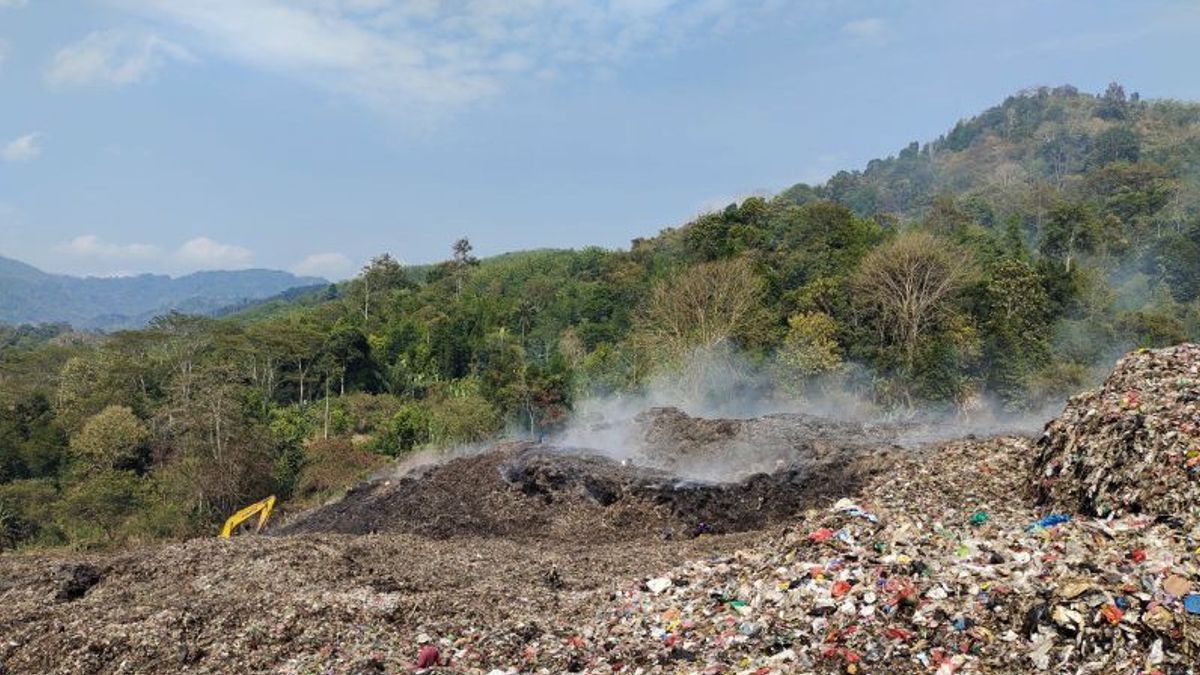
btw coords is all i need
(716, 449)
(315, 604)
(527, 491)
(1131, 446)
(675, 506)
(683, 476)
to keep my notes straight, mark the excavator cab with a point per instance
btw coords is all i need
(262, 508)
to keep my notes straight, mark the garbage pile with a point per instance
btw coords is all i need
(1133, 445)
(678, 476)
(940, 566)
(541, 492)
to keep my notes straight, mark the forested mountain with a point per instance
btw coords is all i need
(29, 295)
(1139, 158)
(998, 264)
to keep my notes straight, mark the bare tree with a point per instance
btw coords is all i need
(910, 283)
(700, 308)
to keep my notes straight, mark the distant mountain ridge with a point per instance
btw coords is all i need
(29, 295)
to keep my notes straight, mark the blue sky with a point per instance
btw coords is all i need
(175, 135)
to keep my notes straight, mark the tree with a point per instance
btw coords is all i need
(1016, 318)
(701, 307)
(348, 355)
(26, 511)
(95, 509)
(381, 274)
(220, 455)
(461, 416)
(810, 346)
(111, 439)
(908, 284)
(1118, 144)
(462, 260)
(1071, 229)
(947, 219)
(1112, 104)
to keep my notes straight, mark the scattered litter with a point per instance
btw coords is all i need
(1050, 521)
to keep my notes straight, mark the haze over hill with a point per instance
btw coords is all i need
(29, 295)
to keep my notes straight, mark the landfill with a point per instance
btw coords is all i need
(979, 555)
(1133, 445)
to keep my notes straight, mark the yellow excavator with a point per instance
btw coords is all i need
(262, 508)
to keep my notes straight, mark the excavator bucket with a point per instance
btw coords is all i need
(262, 508)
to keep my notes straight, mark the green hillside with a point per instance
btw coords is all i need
(1058, 141)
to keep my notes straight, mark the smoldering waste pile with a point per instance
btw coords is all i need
(1133, 445)
(666, 485)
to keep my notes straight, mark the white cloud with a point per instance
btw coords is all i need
(12, 3)
(112, 58)
(109, 258)
(868, 30)
(328, 265)
(91, 246)
(204, 253)
(433, 52)
(22, 149)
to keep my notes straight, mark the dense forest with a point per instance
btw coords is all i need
(1000, 263)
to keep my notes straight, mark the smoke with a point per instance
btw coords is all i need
(738, 416)
(725, 416)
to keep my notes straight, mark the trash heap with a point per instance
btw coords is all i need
(1131, 446)
(941, 567)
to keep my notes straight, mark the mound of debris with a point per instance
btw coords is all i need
(721, 449)
(1131, 446)
(941, 565)
(332, 604)
(687, 507)
(528, 491)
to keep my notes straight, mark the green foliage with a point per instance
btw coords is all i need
(1115, 144)
(333, 465)
(113, 438)
(27, 509)
(408, 429)
(95, 509)
(810, 346)
(1016, 336)
(462, 416)
(32, 444)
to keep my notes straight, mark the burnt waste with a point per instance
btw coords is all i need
(674, 476)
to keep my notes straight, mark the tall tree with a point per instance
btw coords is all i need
(908, 284)
(381, 274)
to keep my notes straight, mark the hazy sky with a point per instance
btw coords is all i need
(173, 135)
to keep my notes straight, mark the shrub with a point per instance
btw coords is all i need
(333, 465)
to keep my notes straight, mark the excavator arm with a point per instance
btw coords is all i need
(262, 508)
